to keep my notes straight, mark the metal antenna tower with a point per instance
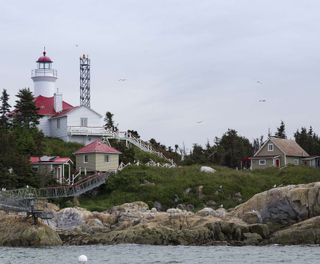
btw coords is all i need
(85, 81)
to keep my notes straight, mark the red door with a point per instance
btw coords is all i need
(277, 163)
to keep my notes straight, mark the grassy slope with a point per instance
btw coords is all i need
(127, 186)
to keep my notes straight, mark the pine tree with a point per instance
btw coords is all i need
(4, 110)
(281, 131)
(109, 125)
(25, 113)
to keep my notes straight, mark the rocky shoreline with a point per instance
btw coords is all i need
(286, 215)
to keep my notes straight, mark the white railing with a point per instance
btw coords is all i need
(44, 72)
(86, 131)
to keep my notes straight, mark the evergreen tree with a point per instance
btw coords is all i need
(281, 131)
(109, 125)
(308, 140)
(4, 110)
(25, 113)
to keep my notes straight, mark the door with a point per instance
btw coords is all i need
(277, 163)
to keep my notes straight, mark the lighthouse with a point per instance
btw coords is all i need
(44, 77)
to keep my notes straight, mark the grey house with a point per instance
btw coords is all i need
(279, 152)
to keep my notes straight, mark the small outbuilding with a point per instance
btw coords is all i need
(55, 167)
(97, 156)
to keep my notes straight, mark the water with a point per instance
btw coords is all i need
(134, 254)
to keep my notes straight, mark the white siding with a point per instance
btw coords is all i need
(44, 126)
(61, 132)
(74, 117)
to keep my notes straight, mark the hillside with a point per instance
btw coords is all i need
(182, 186)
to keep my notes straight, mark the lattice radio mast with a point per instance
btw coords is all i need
(85, 81)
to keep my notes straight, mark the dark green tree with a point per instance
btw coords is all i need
(4, 110)
(25, 112)
(281, 131)
(109, 123)
(134, 133)
(231, 149)
(308, 140)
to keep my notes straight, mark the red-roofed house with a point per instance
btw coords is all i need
(54, 167)
(59, 118)
(97, 156)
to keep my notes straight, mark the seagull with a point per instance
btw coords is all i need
(199, 122)
(122, 80)
(262, 101)
(77, 45)
(259, 82)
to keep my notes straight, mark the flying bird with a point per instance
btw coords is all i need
(262, 101)
(77, 45)
(199, 122)
(122, 80)
(259, 82)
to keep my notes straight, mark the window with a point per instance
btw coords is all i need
(58, 123)
(270, 147)
(85, 159)
(106, 158)
(262, 162)
(83, 121)
(296, 162)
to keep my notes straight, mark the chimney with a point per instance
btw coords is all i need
(57, 102)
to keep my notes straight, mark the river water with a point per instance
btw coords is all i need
(135, 254)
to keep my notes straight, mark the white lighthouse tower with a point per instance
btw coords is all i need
(44, 77)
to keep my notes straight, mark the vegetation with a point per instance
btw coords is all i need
(171, 187)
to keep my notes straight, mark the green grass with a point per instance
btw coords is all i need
(170, 184)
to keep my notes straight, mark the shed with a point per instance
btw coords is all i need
(55, 166)
(97, 156)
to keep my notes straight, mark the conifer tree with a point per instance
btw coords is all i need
(4, 110)
(25, 113)
(281, 131)
(109, 125)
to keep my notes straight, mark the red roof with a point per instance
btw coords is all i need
(46, 159)
(46, 105)
(97, 146)
(44, 58)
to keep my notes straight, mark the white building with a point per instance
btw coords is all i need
(59, 118)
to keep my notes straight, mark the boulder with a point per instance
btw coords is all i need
(305, 232)
(16, 231)
(207, 169)
(207, 211)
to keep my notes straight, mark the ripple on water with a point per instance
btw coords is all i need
(137, 254)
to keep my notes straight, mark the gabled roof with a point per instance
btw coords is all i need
(289, 147)
(67, 111)
(49, 160)
(46, 105)
(97, 146)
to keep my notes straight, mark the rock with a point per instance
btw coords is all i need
(283, 206)
(69, 218)
(252, 217)
(157, 205)
(131, 207)
(260, 229)
(190, 207)
(154, 210)
(207, 211)
(16, 231)
(252, 238)
(305, 232)
(207, 169)
(221, 212)
(188, 190)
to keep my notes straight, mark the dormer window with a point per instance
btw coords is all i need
(270, 147)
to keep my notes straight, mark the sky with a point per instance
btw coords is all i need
(193, 68)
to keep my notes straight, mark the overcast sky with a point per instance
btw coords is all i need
(185, 61)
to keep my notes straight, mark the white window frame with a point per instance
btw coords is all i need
(83, 121)
(270, 147)
(85, 158)
(106, 158)
(262, 162)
